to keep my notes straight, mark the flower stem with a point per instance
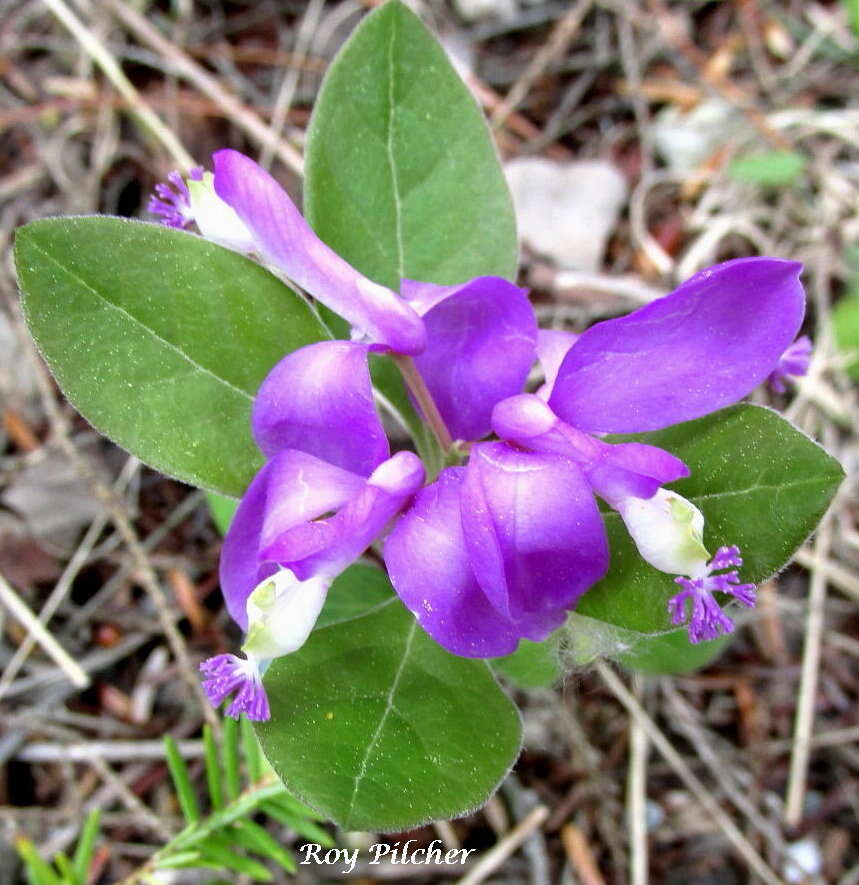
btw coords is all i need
(424, 399)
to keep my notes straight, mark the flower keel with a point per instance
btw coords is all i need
(706, 620)
(172, 200)
(792, 364)
(226, 675)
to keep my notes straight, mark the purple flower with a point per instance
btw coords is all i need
(475, 340)
(498, 550)
(793, 363)
(244, 208)
(328, 490)
(503, 548)
(706, 618)
(172, 201)
(703, 347)
(181, 203)
(668, 531)
(481, 339)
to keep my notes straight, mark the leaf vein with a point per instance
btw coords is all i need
(389, 706)
(395, 183)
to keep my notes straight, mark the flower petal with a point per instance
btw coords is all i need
(481, 343)
(282, 612)
(637, 469)
(613, 470)
(289, 490)
(704, 346)
(552, 347)
(319, 400)
(534, 534)
(428, 565)
(286, 240)
(346, 535)
(424, 296)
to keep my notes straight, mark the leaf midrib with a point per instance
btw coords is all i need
(129, 316)
(761, 488)
(374, 740)
(395, 183)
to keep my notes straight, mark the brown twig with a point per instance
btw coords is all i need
(182, 65)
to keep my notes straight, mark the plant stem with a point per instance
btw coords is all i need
(424, 399)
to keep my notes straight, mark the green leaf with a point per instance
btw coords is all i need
(250, 747)
(230, 757)
(220, 851)
(771, 169)
(181, 860)
(852, 8)
(181, 781)
(159, 338)
(402, 177)
(380, 729)
(253, 837)
(86, 846)
(845, 320)
(359, 590)
(222, 510)
(662, 653)
(213, 769)
(304, 827)
(38, 870)
(532, 665)
(64, 865)
(760, 483)
(671, 653)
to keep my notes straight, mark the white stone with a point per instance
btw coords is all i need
(804, 861)
(687, 140)
(566, 211)
(475, 10)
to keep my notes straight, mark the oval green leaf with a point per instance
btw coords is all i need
(381, 729)
(402, 176)
(532, 665)
(760, 483)
(159, 338)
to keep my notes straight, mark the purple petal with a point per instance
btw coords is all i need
(362, 519)
(633, 469)
(534, 534)
(794, 363)
(424, 296)
(428, 565)
(481, 341)
(225, 674)
(613, 470)
(289, 490)
(552, 347)
(319, 400)
(704, 346)
(286, 240)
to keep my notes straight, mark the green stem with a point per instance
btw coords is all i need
(424, 399)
